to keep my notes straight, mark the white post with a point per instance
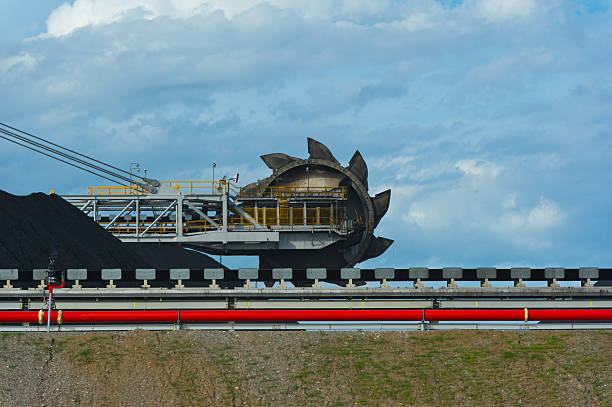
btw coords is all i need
(137, 218)
(179, 217)
(49, 312)
(224, 227)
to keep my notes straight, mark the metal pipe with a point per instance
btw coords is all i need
(159, 316)
(74, 317)
(475, 314)
(49, 308)
(570, 315)
(299, 315)
(19, 317)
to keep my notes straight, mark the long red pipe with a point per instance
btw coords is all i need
(75, 317)
(19, 317)
(154, 316)
(300, 315)
(570, 315)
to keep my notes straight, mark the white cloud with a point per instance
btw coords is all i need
(513, 66)
(82, 13)
(544, 215)
(530, 228)
(138, 134)
(479, 168)
(410, 17)
(17, 64)
(504, 10)
(480, 206)
(426, 216)
(523, 222)
(399, 161)
(65, 114)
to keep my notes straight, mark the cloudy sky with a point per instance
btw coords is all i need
(490, 120)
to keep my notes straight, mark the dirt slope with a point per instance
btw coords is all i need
(308, 369)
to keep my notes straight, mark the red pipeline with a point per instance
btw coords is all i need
(168, 316)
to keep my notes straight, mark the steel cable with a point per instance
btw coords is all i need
(72, 151)
(65, 155)
(65, 162)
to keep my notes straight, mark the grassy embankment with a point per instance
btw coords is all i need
(309, 369)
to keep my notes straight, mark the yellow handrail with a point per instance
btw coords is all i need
(188, 187)
(265, 217)
(221, 186)
(288, 192)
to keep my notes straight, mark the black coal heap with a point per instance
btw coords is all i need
(31, 226)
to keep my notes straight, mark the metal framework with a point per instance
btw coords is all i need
(313, 298)
(420, 305)
(218, 215)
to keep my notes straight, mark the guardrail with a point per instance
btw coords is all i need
(289, 193)
(271, 217)
(187, 187)
(221, 186)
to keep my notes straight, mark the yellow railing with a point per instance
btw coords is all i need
(129, 228)
(219, 187)
(287, 193)
(288, 217)
(204, 187)
(115, 190)
(187, 187)
(265, 217)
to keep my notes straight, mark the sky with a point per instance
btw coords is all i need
(490, 120)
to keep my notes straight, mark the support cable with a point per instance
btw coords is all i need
(65, 162)
(73, 152)
(65, 155)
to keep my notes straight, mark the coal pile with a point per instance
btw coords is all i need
(166, 256)
(31, 226)
(34, 225)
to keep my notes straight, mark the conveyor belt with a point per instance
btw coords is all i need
(307, 277)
